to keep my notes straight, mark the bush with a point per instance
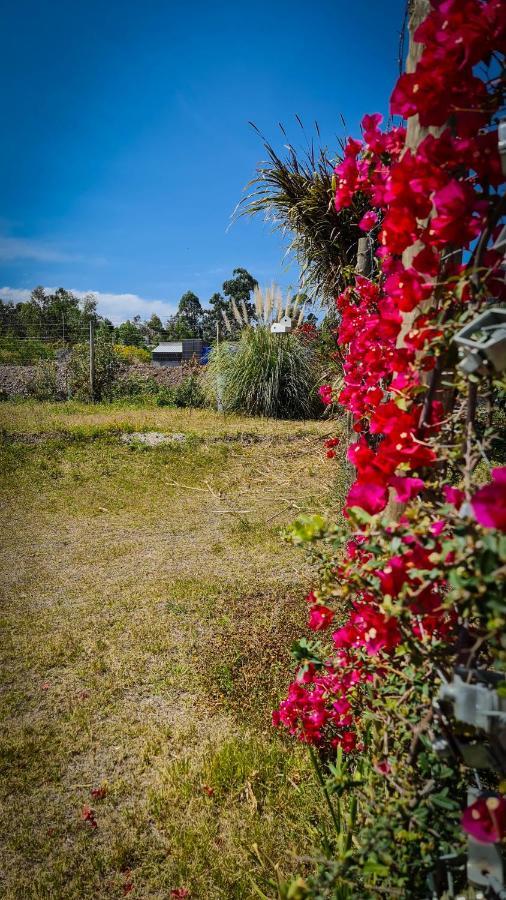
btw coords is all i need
(25, 352)
(107, 366)
(45, 381)
(166, 397)
(133, 386)
(190, 393)
(130, 354)
(266, 374)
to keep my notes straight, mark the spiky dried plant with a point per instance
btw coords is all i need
(236, 314)
(295, 194)
(269, 307)
(279, 304)
(245, 316)
(226, 321)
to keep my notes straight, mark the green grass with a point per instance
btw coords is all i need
(148, 607)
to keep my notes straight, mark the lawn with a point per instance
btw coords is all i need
(149, 605)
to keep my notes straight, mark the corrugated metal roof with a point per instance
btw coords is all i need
(169, 347)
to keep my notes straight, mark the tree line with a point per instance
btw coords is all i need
(60, 316)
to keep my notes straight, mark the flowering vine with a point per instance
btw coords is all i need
(405, 587)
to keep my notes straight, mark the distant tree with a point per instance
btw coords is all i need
(52, 316)
(155, 323)
(152, 329)
(213, 315)
(104, 330)
(208, 325)
(218, 303)
(178, 329)
(187, 323)
(190, 312)
(89, 307)
(129, 334)
(239, 289)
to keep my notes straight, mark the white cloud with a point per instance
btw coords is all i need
(119, 307)
(14, 295)
(12, 248)
(116, 307)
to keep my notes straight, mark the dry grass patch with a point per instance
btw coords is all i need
(129, 575)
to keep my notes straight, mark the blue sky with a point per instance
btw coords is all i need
(126, 143)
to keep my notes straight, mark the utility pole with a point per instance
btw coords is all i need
(92, 360)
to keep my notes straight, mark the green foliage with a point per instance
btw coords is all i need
(265, 374)
(406, 800)
(45, 382)
(132, 386)
(190, 393)
(107, 366)
(129, 334)
(166, 397)
(25, 352)
(296, 195)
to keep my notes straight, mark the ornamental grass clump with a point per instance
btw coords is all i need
(265, 374)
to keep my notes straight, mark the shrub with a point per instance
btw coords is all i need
(107, 366)
(190, 393)
(24, 352)
(166, 397)
(266, 374)
(133, 386)
(129, 354)
(45, 381)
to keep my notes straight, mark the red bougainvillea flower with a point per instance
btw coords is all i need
(407, 289)
(426, 261)
(368, 627)
(453, 495)
(348, 741)
(383, 767)
(88, 816)
(406, 488)
(455, 222)
(325, 392)
(368, 496)
(489, 502)
(368, 220)
(433, 198)
(320, 617)
(485, 819)
(99, 793)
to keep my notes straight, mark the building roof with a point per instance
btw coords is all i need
(169, 347)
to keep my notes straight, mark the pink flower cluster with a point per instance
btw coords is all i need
(363, 642)
(436, 197)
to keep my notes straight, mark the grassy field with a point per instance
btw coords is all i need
(149, 605)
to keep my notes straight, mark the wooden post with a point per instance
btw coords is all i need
(363, 266)
(92, 360)
(415, 133)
